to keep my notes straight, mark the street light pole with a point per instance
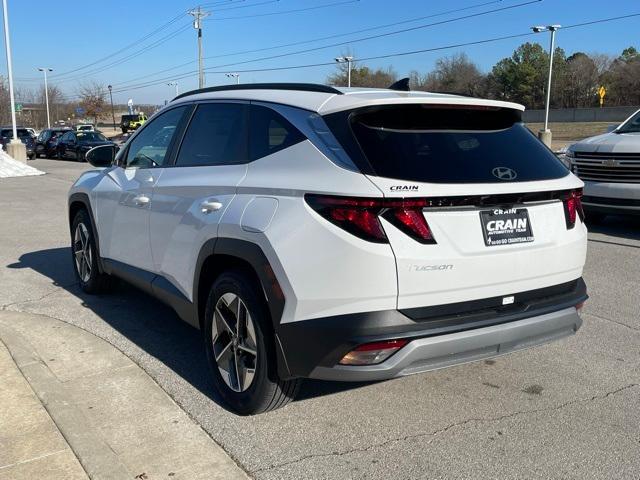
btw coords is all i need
(113, 115)
(234, 75)
(348, 61)
(46, 92)
(545, 135)
(7, 46)
(174, 84)
(198, 14)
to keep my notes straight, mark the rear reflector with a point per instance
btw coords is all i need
(361, 216)
(573, 208)
(372, 353)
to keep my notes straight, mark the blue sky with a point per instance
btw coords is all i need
(74, 33)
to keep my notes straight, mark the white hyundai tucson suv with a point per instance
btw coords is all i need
(337, 234)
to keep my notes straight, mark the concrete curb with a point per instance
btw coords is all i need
(119, 423)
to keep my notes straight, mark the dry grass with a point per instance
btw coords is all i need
(565, 133)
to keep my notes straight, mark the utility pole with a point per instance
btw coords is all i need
(198, 15)
(234, 75)
(46, 92)
(174, 84)
(348, 61)
(113, 115)
(545, 135)
(15, 148)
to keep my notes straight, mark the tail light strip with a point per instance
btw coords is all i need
(361, 216)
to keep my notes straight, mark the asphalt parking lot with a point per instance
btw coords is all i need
(566, 410)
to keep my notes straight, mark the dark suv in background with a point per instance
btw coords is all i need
(47, 142)
(6, 134)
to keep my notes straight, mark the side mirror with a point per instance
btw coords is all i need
(101, 156)
(611, 128)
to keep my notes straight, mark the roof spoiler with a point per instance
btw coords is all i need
(401, 85)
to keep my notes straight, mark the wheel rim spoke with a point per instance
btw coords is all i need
(82, 252)
(234, 342)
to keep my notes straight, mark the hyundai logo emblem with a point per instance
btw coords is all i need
(504, 173)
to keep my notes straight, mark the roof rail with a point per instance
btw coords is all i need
(299, 87)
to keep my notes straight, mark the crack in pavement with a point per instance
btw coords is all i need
(57, 288)
(451, 426)
(613, 321)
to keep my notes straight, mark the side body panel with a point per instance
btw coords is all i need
(321, 269)
(188, 203)
(122, 203)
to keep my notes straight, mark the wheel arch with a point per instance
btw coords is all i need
(222, 254)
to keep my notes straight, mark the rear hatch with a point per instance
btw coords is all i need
(475, 206)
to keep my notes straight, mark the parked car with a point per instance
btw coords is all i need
(609, 165)
(85, 128)
(32, 131)
(132, 122)
(74, 145)
(47, 141)
(337, 234)
(6, 134)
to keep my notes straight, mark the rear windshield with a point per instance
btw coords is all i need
(91, 137)
(426, 143)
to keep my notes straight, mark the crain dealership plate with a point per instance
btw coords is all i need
(506, 226)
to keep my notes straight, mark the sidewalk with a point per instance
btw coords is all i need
(74, 407)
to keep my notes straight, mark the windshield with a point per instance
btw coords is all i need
(91, 137)
(631, 126)
(448, 144)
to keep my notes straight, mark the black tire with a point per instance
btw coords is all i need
(265, 391)
(87, 273)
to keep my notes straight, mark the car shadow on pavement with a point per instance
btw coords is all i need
(621, 226)
(151, 325)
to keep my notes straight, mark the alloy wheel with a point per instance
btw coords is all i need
(234, 342)
(82, 252)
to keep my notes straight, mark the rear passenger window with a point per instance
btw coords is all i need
(270, 132)
(217, 135)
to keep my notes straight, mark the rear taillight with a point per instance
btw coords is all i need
(361, 216)
(372, 353)
(573, 208)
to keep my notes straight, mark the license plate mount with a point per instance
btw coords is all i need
(506, 226)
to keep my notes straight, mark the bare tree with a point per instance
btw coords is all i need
(456, 74)
(92, 99)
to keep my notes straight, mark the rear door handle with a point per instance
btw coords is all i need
(141, 200)
(209, 206)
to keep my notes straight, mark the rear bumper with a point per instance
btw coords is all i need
(440, 336)
(442, 351)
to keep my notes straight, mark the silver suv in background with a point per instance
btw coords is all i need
(609, 166)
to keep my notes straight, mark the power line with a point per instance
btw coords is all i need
(135, 54)
(317, 7)
(288, 54)
(302, 42)
(377, 57)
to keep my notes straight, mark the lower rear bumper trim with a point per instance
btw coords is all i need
(432, 353)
